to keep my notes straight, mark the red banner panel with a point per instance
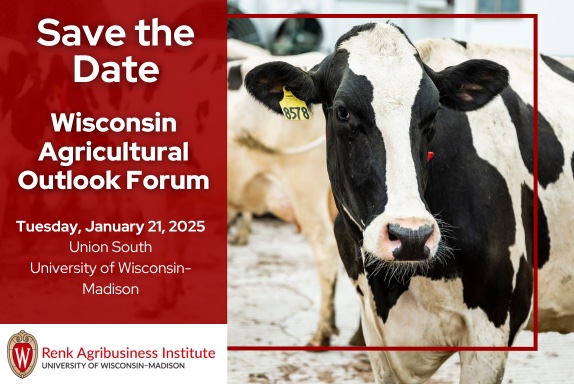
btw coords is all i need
(112, 162)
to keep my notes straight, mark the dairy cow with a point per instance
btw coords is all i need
(429, 154)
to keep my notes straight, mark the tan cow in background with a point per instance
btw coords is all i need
(278, 166)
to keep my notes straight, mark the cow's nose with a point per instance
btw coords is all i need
(413, 242)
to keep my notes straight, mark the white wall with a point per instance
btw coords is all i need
(416, 29)
(555, 20)
(554, 26)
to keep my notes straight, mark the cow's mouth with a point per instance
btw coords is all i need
(408, 254)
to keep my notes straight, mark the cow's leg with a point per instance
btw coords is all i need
(232, 216)
(242, 228)
(358, 339)
(327, 261)
(313, 218)
(482, 367)
(380, 362)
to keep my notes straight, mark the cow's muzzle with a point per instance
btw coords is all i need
(408, 239)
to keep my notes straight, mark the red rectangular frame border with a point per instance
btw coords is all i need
(534, 18)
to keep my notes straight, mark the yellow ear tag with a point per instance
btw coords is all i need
(293, 108)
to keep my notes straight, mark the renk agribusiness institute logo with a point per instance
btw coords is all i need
(22, 353)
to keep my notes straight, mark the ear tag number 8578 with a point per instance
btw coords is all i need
(294, 108)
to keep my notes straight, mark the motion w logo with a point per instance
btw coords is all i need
(22, 354)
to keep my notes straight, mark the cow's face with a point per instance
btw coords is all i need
(380, 102)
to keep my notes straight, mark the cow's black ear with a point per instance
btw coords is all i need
(469, 85)
(265, 82)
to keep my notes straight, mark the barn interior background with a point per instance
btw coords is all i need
(286, 263)
(554, 16)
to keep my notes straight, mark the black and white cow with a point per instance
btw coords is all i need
(440, 251)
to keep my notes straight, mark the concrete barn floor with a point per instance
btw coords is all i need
(273, 299)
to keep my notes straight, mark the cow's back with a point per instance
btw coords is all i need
(491, 192)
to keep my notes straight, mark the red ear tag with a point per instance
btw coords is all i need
(430, 155)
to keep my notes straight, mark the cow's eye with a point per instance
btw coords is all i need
(342, 114)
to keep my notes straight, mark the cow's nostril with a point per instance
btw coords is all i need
(425, 232)
(394, 232)
(409, 235)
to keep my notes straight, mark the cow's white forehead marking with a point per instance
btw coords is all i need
(387, 59)
(383, 39)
